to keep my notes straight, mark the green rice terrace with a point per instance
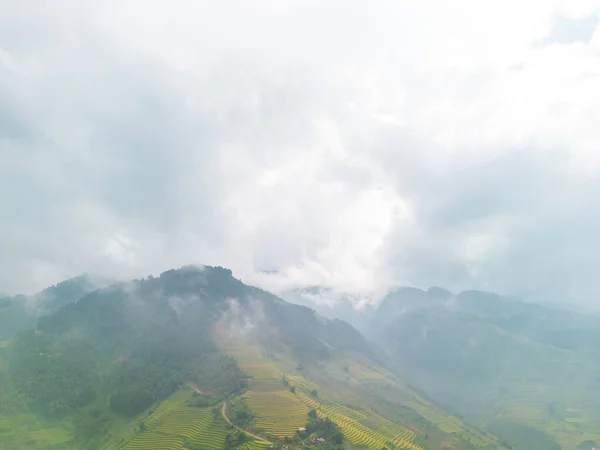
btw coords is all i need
(174, 425)
(279, 402)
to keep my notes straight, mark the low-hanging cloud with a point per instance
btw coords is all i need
(352, 145)
(245, 321)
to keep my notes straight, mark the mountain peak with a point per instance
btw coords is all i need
(435, 292)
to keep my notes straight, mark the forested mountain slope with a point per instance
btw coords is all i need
(21, 312)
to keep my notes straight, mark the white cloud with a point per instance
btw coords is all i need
(353, 144)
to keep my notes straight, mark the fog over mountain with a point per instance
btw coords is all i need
(358, 146)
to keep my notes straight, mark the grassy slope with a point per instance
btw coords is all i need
(523, 385)
(18, 427)
(560, 403)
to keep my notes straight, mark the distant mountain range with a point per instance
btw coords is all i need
(526, 372)
(21, 312)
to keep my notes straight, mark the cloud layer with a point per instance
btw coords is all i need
(358, 145)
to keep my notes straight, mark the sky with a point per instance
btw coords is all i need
(355, 145)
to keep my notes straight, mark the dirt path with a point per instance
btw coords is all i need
(238, 428)
(194, 387)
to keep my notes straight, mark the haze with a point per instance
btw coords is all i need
(355, 145)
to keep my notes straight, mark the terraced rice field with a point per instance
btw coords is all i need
(148, 440)
(362, 372)
(26, 424)
(177, 399)
(363, 427)
(197, 425)
(51, 435)
(254, 445)
(300, 381)
(278, 411)
(174, 425)
(373, 437)
(449, 424)
(260, 370)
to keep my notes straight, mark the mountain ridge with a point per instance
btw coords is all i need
(20, 312)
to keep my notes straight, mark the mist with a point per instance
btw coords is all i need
(335, 146)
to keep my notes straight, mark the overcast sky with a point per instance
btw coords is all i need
(354, 144)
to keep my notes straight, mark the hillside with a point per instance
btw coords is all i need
(524, 372)
(165, 362)
(21, 312)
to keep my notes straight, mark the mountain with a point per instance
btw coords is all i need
(179, 360)
(528, 373)
(330, 303)
(21, 312)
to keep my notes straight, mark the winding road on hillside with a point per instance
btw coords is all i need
(238, 428)
(197, 389)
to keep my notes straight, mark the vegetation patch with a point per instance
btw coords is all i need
(183, 426)
(273, 408)
(380, 433)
